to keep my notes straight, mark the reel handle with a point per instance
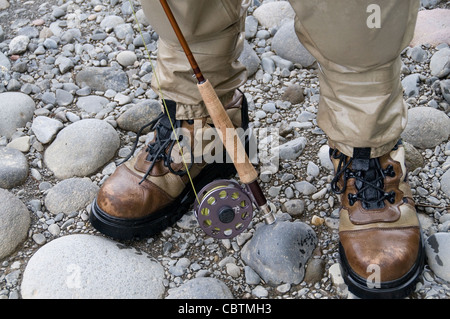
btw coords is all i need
(227, 133)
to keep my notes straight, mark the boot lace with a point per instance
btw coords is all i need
(369, 183)
(164, 140)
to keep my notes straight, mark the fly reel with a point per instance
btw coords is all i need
(224, 209)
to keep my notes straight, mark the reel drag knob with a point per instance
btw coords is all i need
(225, 209)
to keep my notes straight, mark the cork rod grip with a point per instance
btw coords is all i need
(228, 135)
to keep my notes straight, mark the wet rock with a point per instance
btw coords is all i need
(279, 252)
(438, 254)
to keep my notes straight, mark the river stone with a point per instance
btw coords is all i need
(139, 115)
(91, 267)
(16, 109)
(110, 22)
(249, 59)
(45, 128)
(82, 148)
(4, 61)
(201, 288)
(92, 103)
(445, 183)
(440, 63)
(70, 195)
(427, 127)
(18, 44)
(271, 14)
(286, 44)
(126, 58)
(13, 167)
(437, 249)
(290, 150)
(102, 79)
(14, 222)
(279, 252)
(432, 27)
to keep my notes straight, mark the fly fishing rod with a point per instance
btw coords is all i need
(222, 207)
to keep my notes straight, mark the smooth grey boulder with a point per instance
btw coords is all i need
(279, 252)
(14, 222)
(82, 148)
(16, 109)
(13, 167)
(201, 288)
(91, 267)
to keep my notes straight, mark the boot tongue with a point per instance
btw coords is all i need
(165, 123)
(164, 128)
(372, 197)
(369, 172)
(361, 159)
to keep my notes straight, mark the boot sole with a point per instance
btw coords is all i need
(138, 228)
(396, 289)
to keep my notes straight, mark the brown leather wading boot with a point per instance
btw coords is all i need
(152, 190)
(380, 246)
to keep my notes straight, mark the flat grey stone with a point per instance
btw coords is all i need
(14, 222)
(19, 44)
(102, 79)
(16, 110)
(45, 128)
(427, 127)
(445, 183)
(4, 61)
(139, 115)
(305, 187)
(13, 167)
(438, 254)
(440, 63)
(70, 195)
(290, 150)
(271, 14)
(411, 85)
(81, 148)
(201, 288)
(279, 252)
(249, 59)
(92, 103)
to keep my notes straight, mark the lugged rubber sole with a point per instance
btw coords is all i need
(396, 289)
(138, 228)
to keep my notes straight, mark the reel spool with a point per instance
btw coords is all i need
(225, 209)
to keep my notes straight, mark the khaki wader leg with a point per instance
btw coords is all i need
(357, 44)
(214, 32)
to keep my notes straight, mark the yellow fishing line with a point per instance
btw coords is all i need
(164, 102)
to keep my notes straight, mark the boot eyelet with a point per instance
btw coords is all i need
(389, 171)
(352, 199)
